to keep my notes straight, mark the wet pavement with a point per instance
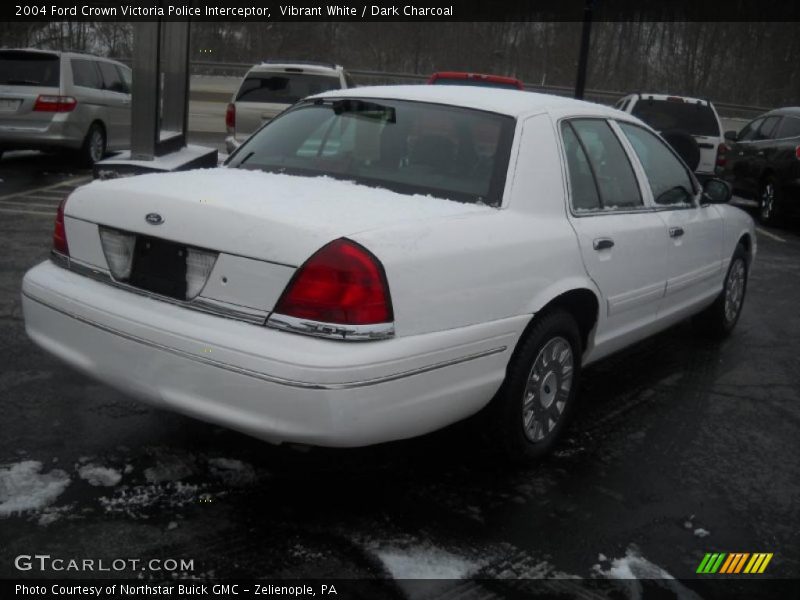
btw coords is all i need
(681, 446)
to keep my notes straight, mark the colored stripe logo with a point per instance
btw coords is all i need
(734, 563)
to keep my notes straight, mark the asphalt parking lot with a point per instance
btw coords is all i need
(682, 446)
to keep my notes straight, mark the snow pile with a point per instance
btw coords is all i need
(634, 567)
(99, 476)
(424, 562)
(24, 487)
(232, 472)
(51, 514)
(701, 533)
(170, 467)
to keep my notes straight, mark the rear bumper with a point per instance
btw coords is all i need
(56, 135)
(277, 386)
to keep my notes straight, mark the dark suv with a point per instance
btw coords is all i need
(764, 162)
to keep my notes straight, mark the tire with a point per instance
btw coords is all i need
(551, 395)
(94, 145)
(719, 319)
(685, 145)
(768, 201)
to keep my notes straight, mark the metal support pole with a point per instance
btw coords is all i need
(146, 86)
(174, 123)
(583, 57)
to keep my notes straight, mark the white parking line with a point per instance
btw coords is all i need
(23, 204)
(770, 235)
(75, 180)
(49, 215)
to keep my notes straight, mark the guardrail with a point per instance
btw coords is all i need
(206, 67)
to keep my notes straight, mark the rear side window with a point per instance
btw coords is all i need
(669, 180)
(284, 88)
(790, 127)
(85, 74)
(612, 171)
(667, 115)
(112, 81)
(583, 190)
(749, 131)
(767, 129)
(29, 68)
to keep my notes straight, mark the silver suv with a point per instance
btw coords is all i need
(64, 101)
(273, 86)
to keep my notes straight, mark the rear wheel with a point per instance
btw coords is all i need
(94, 145)
(720, 318)
(537, 398)
(768, 201)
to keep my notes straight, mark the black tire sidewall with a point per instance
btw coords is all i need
(508, 428)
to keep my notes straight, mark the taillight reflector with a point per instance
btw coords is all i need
(55, 104)
(342, 283)
(60, 231)
(230, 117)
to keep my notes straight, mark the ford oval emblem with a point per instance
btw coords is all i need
(154, 218)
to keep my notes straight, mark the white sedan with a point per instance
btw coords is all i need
(381, 262)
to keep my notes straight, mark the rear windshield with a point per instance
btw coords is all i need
(284, 88)
(475, 82)
(408, 147)
(29, 68)
(666, 115)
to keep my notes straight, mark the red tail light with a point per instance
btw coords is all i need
(60, 232)
(797, 152)
(722, 152)
(55, 104)
(342, 283)
(230, 117)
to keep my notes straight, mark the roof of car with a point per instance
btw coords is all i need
(60, 53)
(508, 102)
(786, 110)
(305, 66)
(648, 96)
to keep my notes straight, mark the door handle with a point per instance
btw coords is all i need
(603, 243)
(675, 232)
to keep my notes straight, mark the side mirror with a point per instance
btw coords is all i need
(717, 191)
(731, 136)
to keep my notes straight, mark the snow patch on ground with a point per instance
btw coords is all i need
(170, 467)
(633, 567)
(136, 501)
(51, 514)
(23, 487)
(701, 533)
(100, 476)
(424, 562)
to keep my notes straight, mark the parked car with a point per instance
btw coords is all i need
(273, 86)
(477, 79)
(64, 101)
(378, 263)
(764, 162)
(690, 125)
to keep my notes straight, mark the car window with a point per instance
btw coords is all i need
(583, 189)
(126, 76)
(613, 173)
(408, 147)
(790, 127)
(29, 68)
(749, 131)
(767, 128)
(694, 118)
(85, 73)
(669, 179)
(284, 88)
(112, 80)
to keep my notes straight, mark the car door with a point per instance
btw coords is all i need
(740, 156)
(117, 102)
(762, 149)
(622, 240)
(695, 231)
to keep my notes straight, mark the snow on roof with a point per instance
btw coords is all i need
(509, 102)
